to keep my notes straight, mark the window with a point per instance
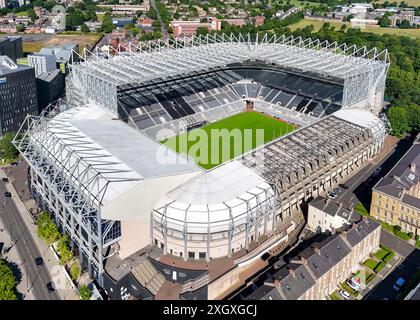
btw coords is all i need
(191, 255)
(202, 255)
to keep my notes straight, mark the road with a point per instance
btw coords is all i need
(165, 33)
(361, 184)
(409, 264)
(38, 275)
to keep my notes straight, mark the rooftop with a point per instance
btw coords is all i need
(403, 176)
(299, 275)
(332, 208)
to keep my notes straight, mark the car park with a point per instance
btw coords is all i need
(344, 294)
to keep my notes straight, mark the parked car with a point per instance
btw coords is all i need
(355, 286)
(7, 194)
(343, 186)
(5, 179)
(377, 171)
(332, 195)
(50, 286)
(39, 261)
(344, 294)
(398, 284)
(14, 163)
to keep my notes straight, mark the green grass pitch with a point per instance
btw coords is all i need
(228, 143)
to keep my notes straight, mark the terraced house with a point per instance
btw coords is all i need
(317, 271)
(396, 197)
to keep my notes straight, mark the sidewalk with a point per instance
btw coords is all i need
(381, 275)
(13, 257)
(66, 293)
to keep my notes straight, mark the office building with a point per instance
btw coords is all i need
(18, 94)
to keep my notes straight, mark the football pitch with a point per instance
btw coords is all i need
(228, 138)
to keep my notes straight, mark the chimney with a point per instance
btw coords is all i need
(413, 167)
(317, 250)
(277, 283)
(303, 260)
(333, 231)
(292, 272)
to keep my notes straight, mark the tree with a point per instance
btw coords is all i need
(107, 25)
(201, 31)
(20, 28)
(84, 28)
(405, 24)
(8, 282)
(7, 150)
(75, 272)
(85, 293)
(399, 120)
(47, 229)
(63, 247)
(384, 21)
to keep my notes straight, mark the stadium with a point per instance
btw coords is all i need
(142, 211)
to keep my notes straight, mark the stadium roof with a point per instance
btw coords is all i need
(111, 162)
(161, 59)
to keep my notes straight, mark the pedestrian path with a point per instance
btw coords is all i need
(63, 287)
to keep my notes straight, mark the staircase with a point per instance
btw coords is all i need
(148, 276)
(195, 284)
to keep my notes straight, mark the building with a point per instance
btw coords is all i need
(404, 15)
(124, 9)
(396, 197)
(3, 4)
(326, 215)
(42, 62)
(121, 21)
(64, 54)
(126, 209)
(189, 28)
(259, 20)
(239, 22)
(49, 87)
(12, 47)
(318, 270)
(18, 95)
(363, 22)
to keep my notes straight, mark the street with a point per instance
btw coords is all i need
(38, 276)
(360, 184)
(409, 264)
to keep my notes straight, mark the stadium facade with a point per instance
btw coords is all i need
(97, 165)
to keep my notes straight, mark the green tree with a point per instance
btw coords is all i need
(84, 28)
(384, 21)
(85, 293)
(75, 272)
(8, 282)
(7, 150)
(20, 28)
(47, 229)
(405, 24)
(399, 120)
(63, 247)
(107, 25)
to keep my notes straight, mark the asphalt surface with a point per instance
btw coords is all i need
(38, 275)
(165, 33)
(409, 264)
(360, 184)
